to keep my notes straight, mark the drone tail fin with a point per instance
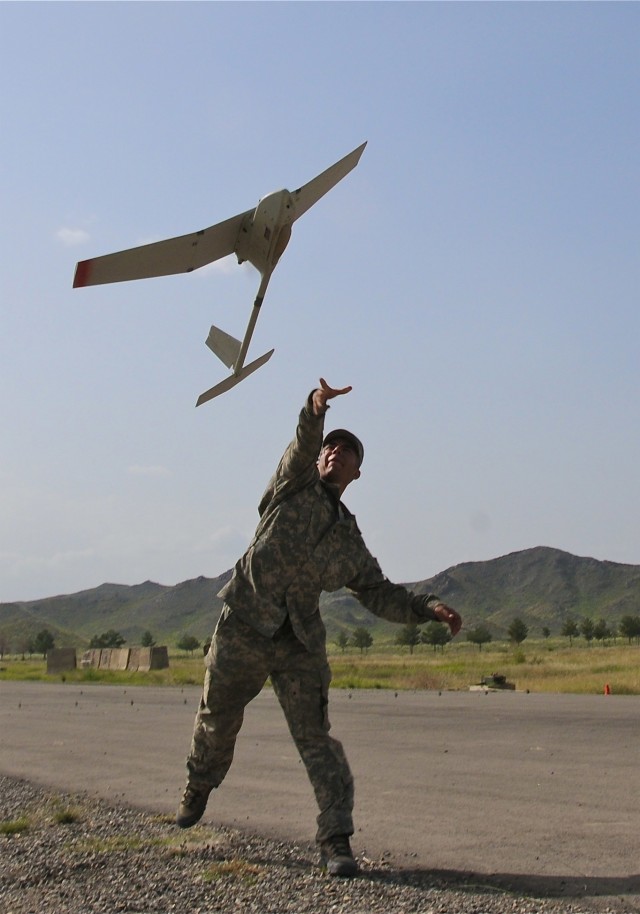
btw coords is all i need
(233, 379)
(225, 346)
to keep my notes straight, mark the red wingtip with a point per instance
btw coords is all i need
(83, 273)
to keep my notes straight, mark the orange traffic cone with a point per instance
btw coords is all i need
(607, 689)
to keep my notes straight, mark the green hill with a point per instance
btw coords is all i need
(542, 586)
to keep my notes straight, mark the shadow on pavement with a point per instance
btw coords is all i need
(538, 886)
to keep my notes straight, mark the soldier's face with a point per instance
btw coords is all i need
(338, 463)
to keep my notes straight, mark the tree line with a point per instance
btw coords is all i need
(44, 641)
(628, 627)
(411, 635)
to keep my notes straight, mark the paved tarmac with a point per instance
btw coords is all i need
(535, 792)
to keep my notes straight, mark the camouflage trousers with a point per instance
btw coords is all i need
(238, 664)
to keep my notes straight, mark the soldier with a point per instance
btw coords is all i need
(306, 542)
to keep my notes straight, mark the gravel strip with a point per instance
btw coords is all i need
(64, 854)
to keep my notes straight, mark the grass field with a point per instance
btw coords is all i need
(537, 666)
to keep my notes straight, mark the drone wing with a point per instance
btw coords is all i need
(310, 193)
(189, 252)
(163, 258)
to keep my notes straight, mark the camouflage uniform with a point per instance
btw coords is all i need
(306, 542)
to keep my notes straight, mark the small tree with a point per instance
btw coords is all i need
(188, 643)
(546, 632)
(147, 639)
(587, 630)
(409, 636)
(342, 640)
(362, 638)
(111, 638)
(436, 634)
(570, 630)
(601, 631)
(517, 631)
(629, 627)
(43, 642)
(479, 635)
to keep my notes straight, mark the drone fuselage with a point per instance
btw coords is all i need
(265, 233)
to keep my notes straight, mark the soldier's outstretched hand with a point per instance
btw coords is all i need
(324, 393)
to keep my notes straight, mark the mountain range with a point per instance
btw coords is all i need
(542, 586)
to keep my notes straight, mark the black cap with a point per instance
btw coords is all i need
(346, 436)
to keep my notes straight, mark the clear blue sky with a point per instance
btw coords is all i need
(476, 279)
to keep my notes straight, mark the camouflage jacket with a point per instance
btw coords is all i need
(306, 542)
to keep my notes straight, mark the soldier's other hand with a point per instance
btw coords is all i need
(450, 617)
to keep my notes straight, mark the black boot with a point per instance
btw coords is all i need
(193, 805)
(337, 857)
